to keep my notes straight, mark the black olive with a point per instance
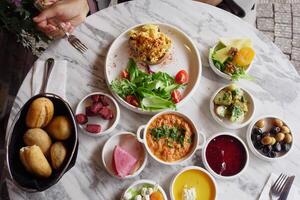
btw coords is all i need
(277, 147)
(258, 145)
(286, 147)
(266, 134)
(272, 154)
(274, 130)
(266, 150)
(257, 131)
(255, 137)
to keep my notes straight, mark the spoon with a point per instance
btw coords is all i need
(47, 71)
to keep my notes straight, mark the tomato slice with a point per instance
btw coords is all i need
(132, 100)
(124, 74)
(176, 96)
(182, 77)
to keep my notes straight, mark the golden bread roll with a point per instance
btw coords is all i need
(40, 113)
(39, 137)
(34, 161)
(58, 154)
(59, 128)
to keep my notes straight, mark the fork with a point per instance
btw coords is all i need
(72, 39)
(278, 186)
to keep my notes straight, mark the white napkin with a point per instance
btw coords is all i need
(293, 195)
(57, 79)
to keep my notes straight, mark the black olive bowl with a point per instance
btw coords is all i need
(14, 142)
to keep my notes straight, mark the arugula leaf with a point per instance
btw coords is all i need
(152, 90)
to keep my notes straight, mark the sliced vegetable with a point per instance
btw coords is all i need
(182, 77)
(176, 96)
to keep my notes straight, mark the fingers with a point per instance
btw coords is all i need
(53, 31)
(46, 14)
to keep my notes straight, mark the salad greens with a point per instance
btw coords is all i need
(152, 90)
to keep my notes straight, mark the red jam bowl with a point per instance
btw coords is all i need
(225, 156)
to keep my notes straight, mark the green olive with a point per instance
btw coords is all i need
(288, 138)
(273, 141)
(279, 137)
(267, 140)
(277, 122)
(285, 129)
(260, 123)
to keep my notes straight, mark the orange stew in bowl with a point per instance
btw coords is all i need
(170, 137)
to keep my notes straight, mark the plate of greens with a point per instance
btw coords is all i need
(232, 58)
(149, 89)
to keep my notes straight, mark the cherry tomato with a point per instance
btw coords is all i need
(182, 77)
(124, 74)
(132, 100)
(176, 96)
(156, 196)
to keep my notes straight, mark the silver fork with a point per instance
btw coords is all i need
(72, 39)
(278, 186)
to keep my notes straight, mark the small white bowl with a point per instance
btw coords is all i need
(140, 183)
(255, 151)
(216, 70)
(107, 126)
(226, 123)
(128, 140)
(211, 170)
(189, 168)
(142, 131)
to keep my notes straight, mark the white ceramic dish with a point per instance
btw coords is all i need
(190, 168)
(211, 170)
(140, 183)
(251, 145)
(129, 142)
(184, 54)
(106, 125)
(216, 70)
(142, 131)
(226, 123)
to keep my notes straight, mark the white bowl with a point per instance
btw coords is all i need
(107, 126)
(196, 168)
(141, 182)
(185, 57)
(211, 170)
(124, 139)
(255, 151)
(226, 123)
(216, 70)
(142, 131)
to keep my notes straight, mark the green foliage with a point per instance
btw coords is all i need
(17, 19)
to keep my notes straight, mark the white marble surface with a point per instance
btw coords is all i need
(276, 89)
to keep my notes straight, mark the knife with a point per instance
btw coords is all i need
(287, 188)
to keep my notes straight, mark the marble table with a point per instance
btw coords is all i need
(276, 90)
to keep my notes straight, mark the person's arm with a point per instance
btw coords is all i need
(69, 13)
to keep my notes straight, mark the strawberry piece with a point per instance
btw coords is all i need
(81, 118)
(95, 98)
(93, 128)
(96, 107)
(106, 113)
(104, 100)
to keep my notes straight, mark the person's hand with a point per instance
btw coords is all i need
(68, 13)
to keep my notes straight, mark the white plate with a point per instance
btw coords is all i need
(226, 123)
(129, 142)
(107, 126)
(184, 55)
(140, 183)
